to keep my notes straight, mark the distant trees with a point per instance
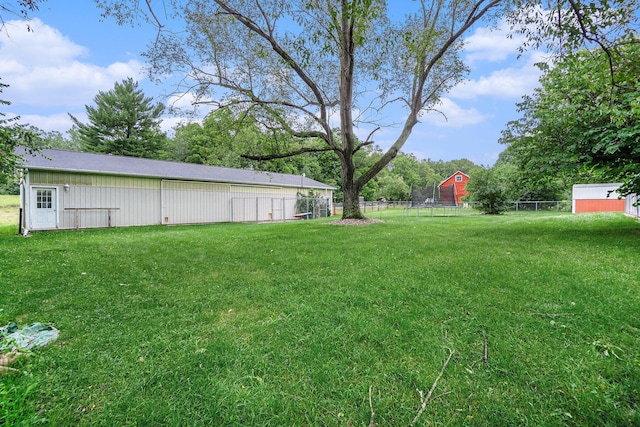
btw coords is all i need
(122, 122)
(406, 172)
(224, 136)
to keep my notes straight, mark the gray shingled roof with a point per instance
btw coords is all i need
(75, 161)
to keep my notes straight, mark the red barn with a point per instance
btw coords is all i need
(453, 188)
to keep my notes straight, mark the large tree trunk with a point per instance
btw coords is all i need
(351, 205)
(350, 190)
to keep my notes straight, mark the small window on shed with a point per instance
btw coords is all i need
(458, 178)
(44, 199)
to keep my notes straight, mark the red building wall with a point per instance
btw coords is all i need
(459, 185)
(597, 198)
(599, 206)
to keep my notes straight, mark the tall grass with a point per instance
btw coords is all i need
(312, 324)
(9, 200)
(9, 208)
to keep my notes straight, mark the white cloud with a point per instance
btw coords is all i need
(491, 44)
(450, 114)
(169, 124)
(45, 69)
(506, 83)
(56, 122)
(182, 101)
(516, 78)
(43, 45)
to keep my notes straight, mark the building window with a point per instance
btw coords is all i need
(44, 199)
(459, 178)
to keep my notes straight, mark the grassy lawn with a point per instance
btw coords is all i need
(307, 323)
(9, 209)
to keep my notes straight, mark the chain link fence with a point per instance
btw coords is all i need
(313, 207)
(517, 206)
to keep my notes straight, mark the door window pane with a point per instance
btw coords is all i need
(44, 199)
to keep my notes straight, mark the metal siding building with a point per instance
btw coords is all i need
(66, 190)
(629, 208)
(596, 198)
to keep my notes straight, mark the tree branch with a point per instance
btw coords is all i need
(285, 155)
(284, 55)
(366, 141)
(433, 387)
(593, 39)
(362, 144)
(153, 14)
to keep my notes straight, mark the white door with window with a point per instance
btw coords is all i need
(44, 210)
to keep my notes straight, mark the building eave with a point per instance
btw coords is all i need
(263, 178)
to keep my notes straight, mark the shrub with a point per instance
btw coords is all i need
(487, 188)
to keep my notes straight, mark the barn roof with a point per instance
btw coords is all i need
(451, 176)
(106, 164)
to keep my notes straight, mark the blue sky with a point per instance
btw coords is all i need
(72, 53)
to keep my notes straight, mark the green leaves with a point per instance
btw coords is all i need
(487, 187)
(584, 117)
(12, 135)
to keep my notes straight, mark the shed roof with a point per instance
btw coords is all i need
(106, 164)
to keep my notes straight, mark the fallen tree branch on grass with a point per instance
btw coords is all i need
(426, 399)
(372, 423)
(8, 359)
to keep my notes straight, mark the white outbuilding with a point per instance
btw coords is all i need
(597, 198)
(68, 189)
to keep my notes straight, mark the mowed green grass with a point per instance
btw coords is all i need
(308, 323)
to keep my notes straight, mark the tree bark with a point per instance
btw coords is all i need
(350, 192)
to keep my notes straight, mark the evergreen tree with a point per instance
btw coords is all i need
(123, 122)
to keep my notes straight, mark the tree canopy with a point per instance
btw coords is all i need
(123, 122)
(489, 189)
(564, 27)
(579, 121)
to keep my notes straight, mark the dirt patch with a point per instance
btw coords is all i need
(364, 221)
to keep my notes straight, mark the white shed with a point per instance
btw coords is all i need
(68, 189)
(596, 198)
